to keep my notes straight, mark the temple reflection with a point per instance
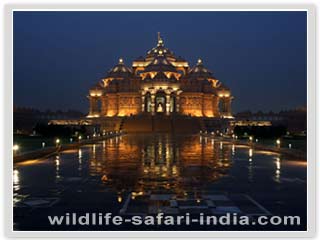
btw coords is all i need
(159, 163)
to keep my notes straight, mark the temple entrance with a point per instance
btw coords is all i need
(160, 102)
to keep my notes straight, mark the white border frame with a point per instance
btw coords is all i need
(8, 120)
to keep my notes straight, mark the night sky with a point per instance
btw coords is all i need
(260, 56)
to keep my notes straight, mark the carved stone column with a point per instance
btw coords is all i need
(153, 110)
(167, 104)
(93, 108)
(104, 106)
(215, 106)
(225, 106)
(142, 103)
(228, 106)
(178, 102)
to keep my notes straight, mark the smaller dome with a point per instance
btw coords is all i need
(199, 71)
(120, 70)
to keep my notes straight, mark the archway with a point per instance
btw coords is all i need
(147, 103)
(160, 102)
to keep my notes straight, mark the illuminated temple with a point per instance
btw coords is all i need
(160, 84)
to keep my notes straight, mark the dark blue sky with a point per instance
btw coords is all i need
(261, 56)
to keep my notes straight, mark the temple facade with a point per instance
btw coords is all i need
(160, 83)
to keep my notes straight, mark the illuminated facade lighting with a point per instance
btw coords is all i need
(160, 82)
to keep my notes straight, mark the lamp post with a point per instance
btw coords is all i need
(278, 142)
(57, 142)
(15, 149)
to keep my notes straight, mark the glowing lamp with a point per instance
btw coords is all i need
(15, 147)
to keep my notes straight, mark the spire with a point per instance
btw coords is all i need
(160, 41)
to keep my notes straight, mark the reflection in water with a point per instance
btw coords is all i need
(16, 185)
(80, 161)
(159, 163)
(278, 168)
(106, 174)
(250, 167)
(57, 162)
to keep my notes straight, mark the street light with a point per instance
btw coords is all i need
(278, 142)
(57, 142)
(43, 144)
(79, 138)
(250, 138)
(15, 149)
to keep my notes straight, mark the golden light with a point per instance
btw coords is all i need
(79, 137)
(250, 138)
(278, 165)
(15, 147)
(57, 141)
(250, 152)
(104, 178)
(15, 176)
(57, 161)
(278, 142)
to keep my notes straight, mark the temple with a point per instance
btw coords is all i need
(160, 84)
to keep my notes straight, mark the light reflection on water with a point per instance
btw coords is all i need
(161, 163)
(158, 163)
